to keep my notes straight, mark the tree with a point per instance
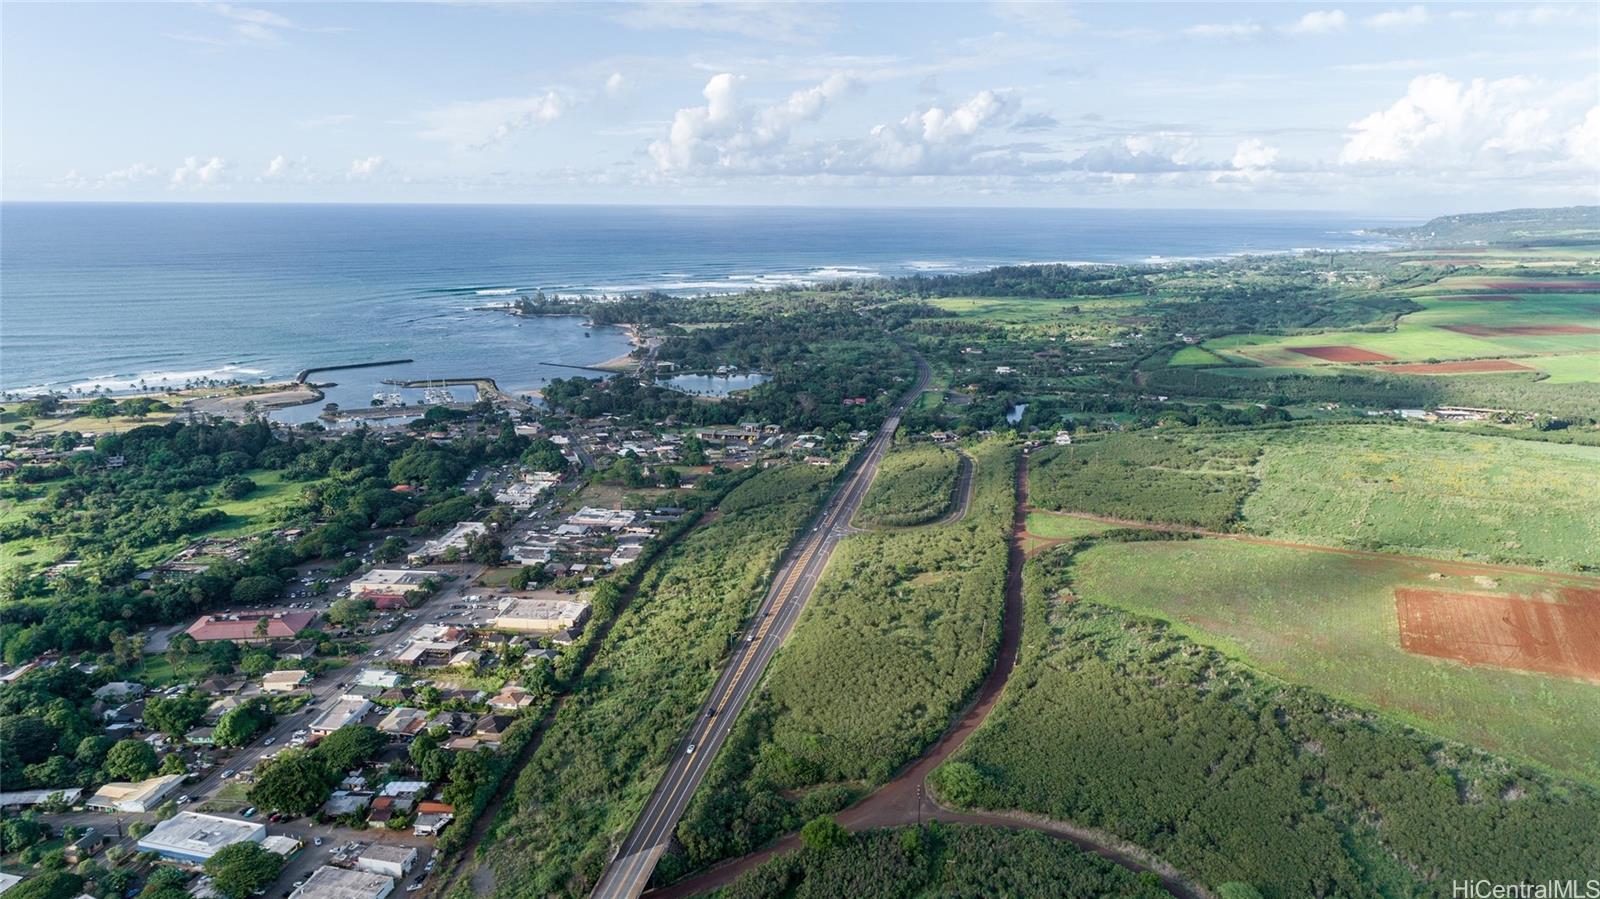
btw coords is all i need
(256, 589)
(296, 782)
(27, 739)
(20, 832)
(240, 725)
(349, 746)
(485, 549)
(175, 715)
(130, 760)
(49, 885)
(1233, 889)
(824, 834)
(256, 663)
(235, 487)
(221, 656)
(91, 752)
(349, 612)
(179, 649)
(242, 868)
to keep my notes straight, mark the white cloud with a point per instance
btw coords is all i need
(1393, 19)
(283, 168)
(195, 173)
(725, 133)
(616, 84)
(1322, 21)
(790, 22)
(1228, 31)
(1544, 14)
(1037, 17)
(133, 174)
(1510, 127)
(481, 124)
(366, 168)
(1254, 154)
(248, 26)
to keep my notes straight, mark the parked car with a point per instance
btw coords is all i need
(249, 812)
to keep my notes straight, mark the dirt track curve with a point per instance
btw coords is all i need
(905, 800)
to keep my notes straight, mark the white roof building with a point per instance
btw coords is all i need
(387, 859)
(192, 837)
(455, 538)
(348, 710)
(328, 882)
(143, 796)
(540, 614)
(602, 518)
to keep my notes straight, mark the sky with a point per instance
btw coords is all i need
(1375, 107)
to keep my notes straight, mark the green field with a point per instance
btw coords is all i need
(1569, 369)
(1113, 721)
(1194, 355)
(915, 484)
(1397, 488)
(1428, 492)
(1062, 527)
(1327, 621)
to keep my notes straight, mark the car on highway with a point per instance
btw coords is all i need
(316, 841)
(269, 741)
(691, 750)
(228, 774)
(184, 799)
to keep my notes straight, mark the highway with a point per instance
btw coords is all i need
(629, 871)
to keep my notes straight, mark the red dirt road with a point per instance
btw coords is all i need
(1504, 630)
(1340, 353)
(905, 800)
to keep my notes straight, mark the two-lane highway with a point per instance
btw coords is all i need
(629, 871)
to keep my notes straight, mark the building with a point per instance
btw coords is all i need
(191, 837)
(20, 799)
(456, 538)
(144, 796)
(431, 818)
(1062, 438)
(377, 677)
(285, 681)
(625, 554)
(521, 496)
(544, 612)
(403, 723)
(281, 844)
(328, 882)
(387, 859)
(345, 711)
(245, 627)
(391, 581)
(84, 847)
(589, 516)
(119, 691)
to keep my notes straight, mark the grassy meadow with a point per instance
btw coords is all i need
(915, 485)
(1327, 621)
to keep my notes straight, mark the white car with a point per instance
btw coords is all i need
(269, 741)
(691, 750)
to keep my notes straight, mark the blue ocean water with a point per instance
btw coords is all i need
(112, 294)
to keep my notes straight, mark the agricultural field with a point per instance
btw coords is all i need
(1259, 782)
(915, 485)
(901, 630)
(1331, 621)
(1145, 478)
(1427, 491)
(1194, 355)
(942, 861)
(603, 754)
(1053, 526)
(1508, 320)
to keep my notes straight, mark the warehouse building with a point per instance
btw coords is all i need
(191, 838)
(121, 796)
(328, 882)
(545, 612)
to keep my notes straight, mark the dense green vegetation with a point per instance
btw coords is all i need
(940, 861)
(599, 760)
(915, 484)
(1327, 620)
(900, 631)
(1143, 477)
(1257, 782)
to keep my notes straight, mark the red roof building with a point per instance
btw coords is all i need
(244, 627)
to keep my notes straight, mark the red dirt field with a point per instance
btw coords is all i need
(1520, 330)
(1576, 285)
(1504, 630)
(1458, 368)
(1481, 298)
(1340, 353)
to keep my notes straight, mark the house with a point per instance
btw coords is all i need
(12, 800)
(432, 817)
(84, 847)
(1062, 438)
(389, 860)
(428, 652)
(191, 838)
(382, 810)
(285, 681)
(201, 736)
(403, 723)
(542, 612)
(344, 712)
(248, 627)
(491, 728)
(119, 691)
(511, 698)
(298, 651)
(144, 796)
(624, 555)
(346, 802)
(281, 844)
(328, 882)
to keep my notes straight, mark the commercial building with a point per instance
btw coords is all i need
(246, 627)
(347, 710)
(602, 518)
(20, 799)
(396, 581)
(388, 860)
(544, 612)
(328, 882)
(456, 538)
(191, 837)
(120, 796)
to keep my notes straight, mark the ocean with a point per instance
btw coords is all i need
(118, 295)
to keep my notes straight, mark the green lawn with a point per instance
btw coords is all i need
(1195, 355)
(1063, 527)
(1328, 621)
